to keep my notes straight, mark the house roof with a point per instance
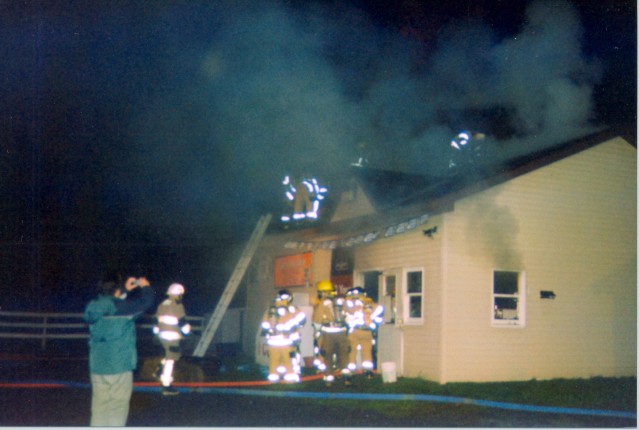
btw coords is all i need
(387, 189)
(398, 196)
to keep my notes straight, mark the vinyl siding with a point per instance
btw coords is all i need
(422, 343)
(259, 283)
(571, 228)
(353, 203)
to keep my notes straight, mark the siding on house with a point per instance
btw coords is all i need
(571, 228)
(258, 284)
(353, 203)
(423, 342)
(261, 289)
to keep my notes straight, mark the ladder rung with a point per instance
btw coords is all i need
(232, 285)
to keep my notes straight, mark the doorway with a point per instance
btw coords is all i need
(382, 287)
(371, 284)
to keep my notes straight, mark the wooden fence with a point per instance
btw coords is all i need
(44, 327)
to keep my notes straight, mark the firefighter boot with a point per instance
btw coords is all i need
(166, 378)
(328, 380)
(347, 380)
(169, 391)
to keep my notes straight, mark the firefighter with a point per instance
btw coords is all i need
(363, 318)
(171, 327)
(305, 195)
(298, 192)
(302, 206)
(330, 333)
(280, 326)
(466, 153)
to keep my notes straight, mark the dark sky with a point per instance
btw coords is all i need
(154, 134)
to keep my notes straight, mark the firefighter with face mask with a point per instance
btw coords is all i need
(363, 317)
(330, 327)
(171, 327)
(280, 326)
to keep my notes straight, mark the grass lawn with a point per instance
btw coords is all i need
(618, 394)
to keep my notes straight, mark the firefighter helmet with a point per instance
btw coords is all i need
(284, 297)
(175, 290)
(356, 292)
(325, 287)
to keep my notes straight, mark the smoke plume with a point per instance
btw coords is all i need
(281, 90)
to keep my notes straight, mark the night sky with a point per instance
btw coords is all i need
(152, 135)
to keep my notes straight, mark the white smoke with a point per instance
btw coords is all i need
(543, 75)
(309, 91)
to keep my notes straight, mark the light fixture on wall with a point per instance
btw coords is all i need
(430, 232)
(547, 295)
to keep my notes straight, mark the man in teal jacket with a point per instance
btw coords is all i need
(112, 346)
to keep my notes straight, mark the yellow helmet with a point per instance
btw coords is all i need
(325, 287)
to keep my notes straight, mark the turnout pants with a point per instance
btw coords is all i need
(363, 340)
(172, 350)
(334, 344)
(280, 358)
(172, 353)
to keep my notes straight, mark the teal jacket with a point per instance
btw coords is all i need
(112, 331)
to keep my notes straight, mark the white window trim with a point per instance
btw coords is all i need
(390, 316)
(522, 302)
(405, 297)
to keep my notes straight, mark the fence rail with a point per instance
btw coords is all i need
(48, 326)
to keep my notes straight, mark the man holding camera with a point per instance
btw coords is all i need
(112, 345)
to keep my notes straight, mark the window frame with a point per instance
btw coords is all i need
(406, 299)
(389, 297)
(521, 300)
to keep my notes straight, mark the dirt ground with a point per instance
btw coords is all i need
(70, 406)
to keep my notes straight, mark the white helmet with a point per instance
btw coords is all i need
(175, 290)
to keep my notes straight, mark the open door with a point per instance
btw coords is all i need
(390, 342)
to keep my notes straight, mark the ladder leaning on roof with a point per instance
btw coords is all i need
(232, 286)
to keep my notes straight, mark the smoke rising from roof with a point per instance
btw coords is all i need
(491, 233)
(279, 90)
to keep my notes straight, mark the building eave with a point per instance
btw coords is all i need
(435, 199)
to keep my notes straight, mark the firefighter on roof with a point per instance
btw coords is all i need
(330, 327)
(363, 317)
(467, 149)
(171, 327)
(280, 326)
(305, 195)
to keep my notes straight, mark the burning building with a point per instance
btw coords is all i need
(524, 269)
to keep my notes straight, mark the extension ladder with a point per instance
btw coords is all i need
(232, 286)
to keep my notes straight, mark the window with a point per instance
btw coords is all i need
(413, 296)
(508, 298)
